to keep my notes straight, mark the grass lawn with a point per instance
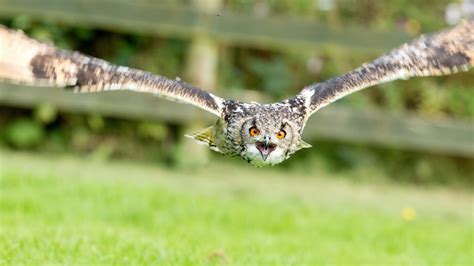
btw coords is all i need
(65, 210)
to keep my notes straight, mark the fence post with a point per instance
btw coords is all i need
(201, 71)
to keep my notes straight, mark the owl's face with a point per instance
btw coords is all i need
(268, 140)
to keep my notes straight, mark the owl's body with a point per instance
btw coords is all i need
(231, 134)
(261, 134)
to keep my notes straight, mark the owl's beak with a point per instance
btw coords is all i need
(265, 148)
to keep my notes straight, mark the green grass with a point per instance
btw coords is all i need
(75, 211)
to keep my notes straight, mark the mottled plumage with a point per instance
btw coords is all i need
(443, 53)
(261, 134)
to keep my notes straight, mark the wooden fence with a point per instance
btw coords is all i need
(186, 21)
(403, 132)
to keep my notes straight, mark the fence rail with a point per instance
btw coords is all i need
(401, 132)
(174, 20)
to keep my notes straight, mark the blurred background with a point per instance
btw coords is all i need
(417, 131)
(109, 178)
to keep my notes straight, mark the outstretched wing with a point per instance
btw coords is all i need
(442, 53)
(27, 61)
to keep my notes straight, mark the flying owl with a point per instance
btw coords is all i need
(261, 134)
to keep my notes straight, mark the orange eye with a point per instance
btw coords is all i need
(254, 131)
(281, 134)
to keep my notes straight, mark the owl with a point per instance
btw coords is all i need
(261, 134)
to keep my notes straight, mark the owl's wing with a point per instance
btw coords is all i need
(442, 53)
(30, 62)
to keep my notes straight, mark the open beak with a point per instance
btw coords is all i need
(265, 148)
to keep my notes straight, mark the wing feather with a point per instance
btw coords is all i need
(30, 62)
(442, 53)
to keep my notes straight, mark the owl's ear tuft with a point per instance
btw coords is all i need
(206, 137)
(303, 144)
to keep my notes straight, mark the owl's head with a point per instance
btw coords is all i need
(259, 134)
(269, 139)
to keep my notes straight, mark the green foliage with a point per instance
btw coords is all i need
(45, 113)
(23, 133)
(156, 131)
(95, 122)
(422, 15)
(282, 77)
